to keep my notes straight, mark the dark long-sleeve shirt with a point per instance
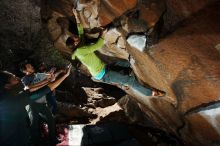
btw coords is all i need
(14, 129)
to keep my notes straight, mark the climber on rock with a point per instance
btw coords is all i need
(98, 69)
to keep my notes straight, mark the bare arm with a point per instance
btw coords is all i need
(37, 86)
(40, 84)
(56, 83)
(43, 91)
(59, 72)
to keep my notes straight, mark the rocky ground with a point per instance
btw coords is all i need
(102, 108)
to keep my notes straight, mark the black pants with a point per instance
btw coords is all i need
(41, 111)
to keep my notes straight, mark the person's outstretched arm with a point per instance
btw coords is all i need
(50, 87)
(76, 16)
(91, 48)
(56, 83)
(40, 84)
(56, 74)
(98, 45)
(79, 25)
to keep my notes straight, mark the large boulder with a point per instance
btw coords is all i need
(184, 64)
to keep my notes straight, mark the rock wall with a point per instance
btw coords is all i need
(22, 36)
(19, 24)
(184, 64)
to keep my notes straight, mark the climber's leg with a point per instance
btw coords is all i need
(121, 80)
(122, 63)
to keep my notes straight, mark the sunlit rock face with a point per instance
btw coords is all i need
(184, 64)
(95, 13)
